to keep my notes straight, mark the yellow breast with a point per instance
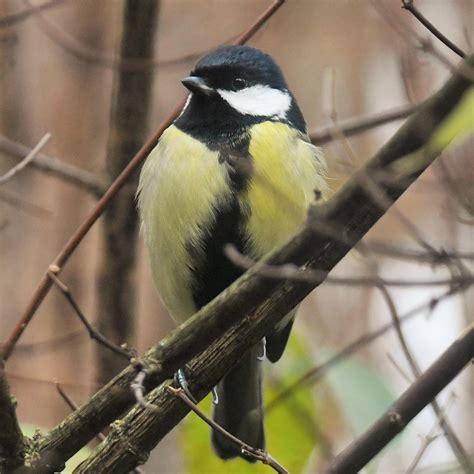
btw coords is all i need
(180, 185)
(286, 172)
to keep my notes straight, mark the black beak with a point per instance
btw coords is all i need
(197, 84)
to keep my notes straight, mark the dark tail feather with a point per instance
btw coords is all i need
(240, 406)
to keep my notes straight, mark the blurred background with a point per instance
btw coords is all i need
(59, 73)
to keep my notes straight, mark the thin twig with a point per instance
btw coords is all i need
(416, 41)
(399, 368)
(257, 454)
(68, 173)
(354, 126)
(431, 436)
(73, 405)
(96, 57)
(395, 251)
(17, 17)
(410, 6)
(45, 283)
(295, 273)
(26, 160)
(93, 333)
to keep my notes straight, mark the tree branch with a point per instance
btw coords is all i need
(26, 160)
(11, 438)
(409, 5)
(252, 305)
(415, 398)
(69, 173)
(354, 126)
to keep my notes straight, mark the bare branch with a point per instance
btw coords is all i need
(415, 398)
(430, 437)
(292, 272)
(358, 125)
(395, 251)
(70, 174)
(410, 6)
(93, 333)
(26, 160)
(248, 450)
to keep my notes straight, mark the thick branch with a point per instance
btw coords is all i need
(11, 438)
(253, 304)
(415, 398)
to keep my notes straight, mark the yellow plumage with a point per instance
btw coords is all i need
(183, 183)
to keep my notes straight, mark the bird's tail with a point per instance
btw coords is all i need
(240, 406)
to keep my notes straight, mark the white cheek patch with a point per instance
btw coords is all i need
(258, 100)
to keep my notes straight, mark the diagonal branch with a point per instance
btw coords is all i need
(415, 398)
(409, 5)
(252, 305)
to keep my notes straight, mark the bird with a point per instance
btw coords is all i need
(236, 167)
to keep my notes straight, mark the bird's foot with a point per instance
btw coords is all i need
(180, 379)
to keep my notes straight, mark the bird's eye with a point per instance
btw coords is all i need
(239, 83)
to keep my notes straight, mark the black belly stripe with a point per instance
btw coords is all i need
(214, 272)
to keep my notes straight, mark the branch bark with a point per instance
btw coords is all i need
(415, 398)
(243, 313)
(11, 437)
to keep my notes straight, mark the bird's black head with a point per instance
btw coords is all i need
(233, 88)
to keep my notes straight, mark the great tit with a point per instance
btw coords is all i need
(236, 167)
